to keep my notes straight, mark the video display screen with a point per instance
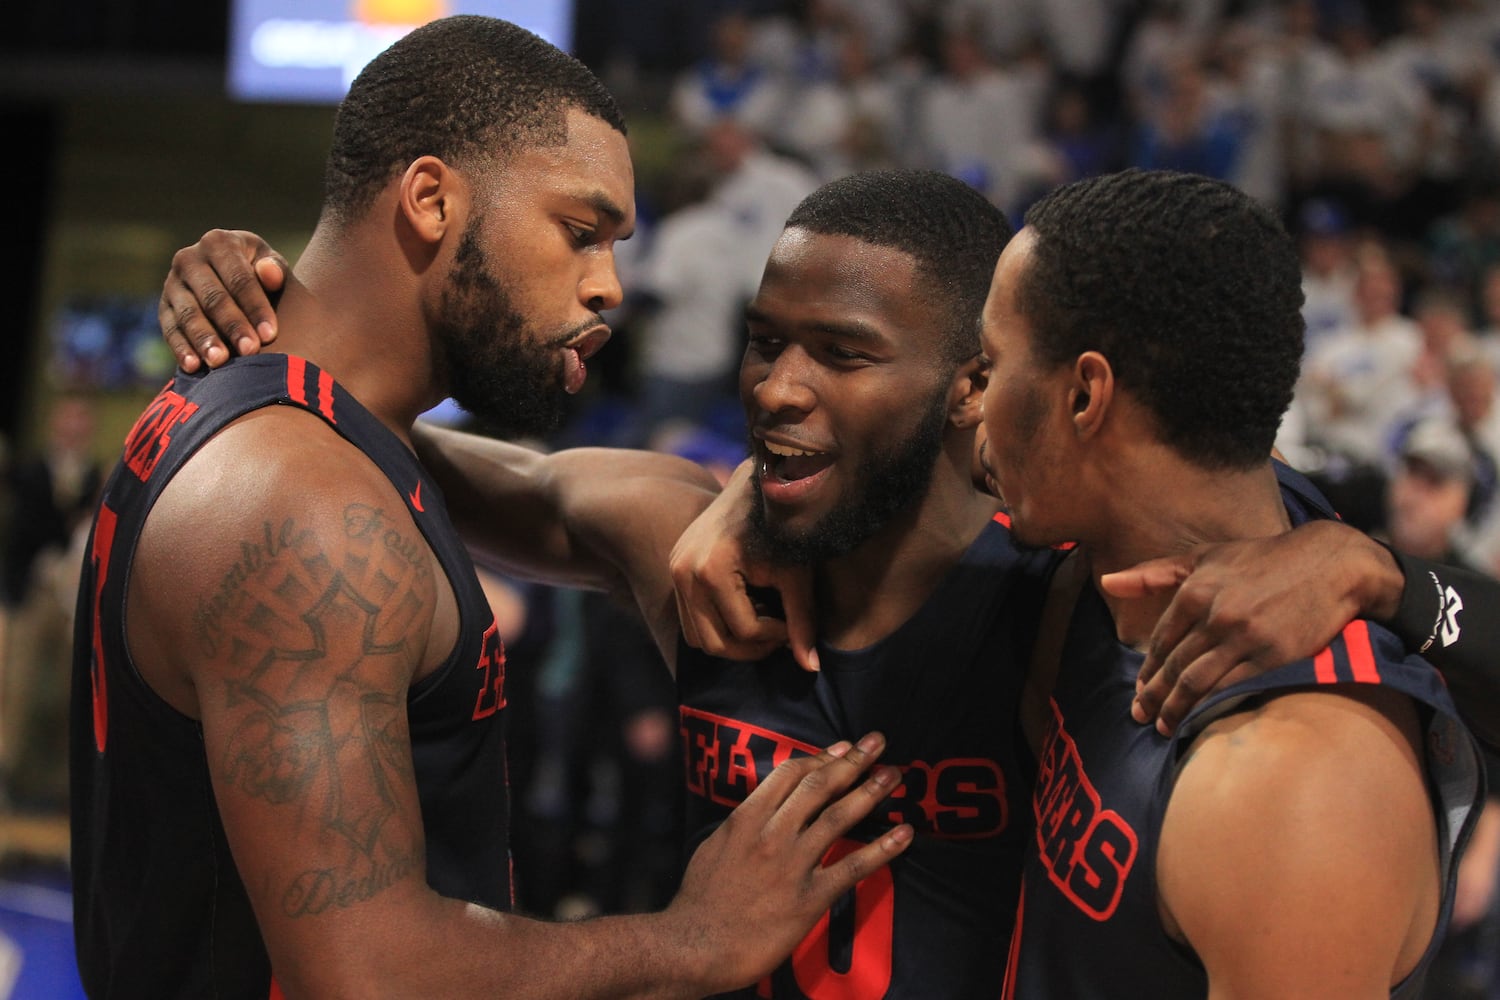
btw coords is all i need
(308, 51)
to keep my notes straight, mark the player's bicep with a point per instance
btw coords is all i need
(1267, 848)
(308, 622)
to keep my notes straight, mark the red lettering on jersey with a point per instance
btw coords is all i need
(1088, 850)
(149, 438)
(492, 662)
(954, 799)
(104, 543)
(720, 756)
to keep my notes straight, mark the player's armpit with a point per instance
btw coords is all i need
(1271, 837)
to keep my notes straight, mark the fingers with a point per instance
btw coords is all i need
(1182, 616)
(213, 299)
(723, 621)
(1208, 674)
(839, 877)
(816, 799)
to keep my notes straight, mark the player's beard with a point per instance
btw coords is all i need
(885, 484)
(495, 365)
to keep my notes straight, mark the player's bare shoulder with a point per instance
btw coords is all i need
(280, 542)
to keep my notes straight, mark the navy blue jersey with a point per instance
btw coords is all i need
(1088, 926)
(944, 689)
(159, 908)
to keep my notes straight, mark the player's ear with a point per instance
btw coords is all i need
(428, 192)
(1091, 392)
(966, 393)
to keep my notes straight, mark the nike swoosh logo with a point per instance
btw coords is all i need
(415, 496)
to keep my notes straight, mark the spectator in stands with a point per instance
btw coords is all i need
(758, 188)
(1358, 379)
(1188, 128)
(977, 121)
(686, 308)
(727, 83)
(1328, 270)
(52, 496)
(850, 121)
(1442, 317)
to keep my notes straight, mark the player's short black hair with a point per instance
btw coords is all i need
(952, 231)
(452, 88)
(1191, 289)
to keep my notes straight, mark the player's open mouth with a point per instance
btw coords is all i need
(788, 464)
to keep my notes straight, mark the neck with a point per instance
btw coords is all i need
(1165, 506)
(866, 594)
(358, 318)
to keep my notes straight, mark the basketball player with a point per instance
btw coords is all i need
(1298, 835)
(287, 746)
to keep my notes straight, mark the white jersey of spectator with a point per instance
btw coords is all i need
(727, 83)
(885, 24)
(1301, 57)
(1438, 67)
(693, 333)
(1356, 384)
(1472, 385)
(758, 189)
(978, 123)
(1255, 96)
(1360, 92)
(1075, 34)
(851, 122)
(1328, 272)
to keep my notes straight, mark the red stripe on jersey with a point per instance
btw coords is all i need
(1008, 991)
(325, 395)
(1323, 667)
(1361, 655)
(275, 993)
(296, 375)
(104, 543)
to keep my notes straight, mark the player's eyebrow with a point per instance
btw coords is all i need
(850, 329)
(607, 207)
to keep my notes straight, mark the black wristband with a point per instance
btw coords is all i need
(1419, 617)
(1450, 615)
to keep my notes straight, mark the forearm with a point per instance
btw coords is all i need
(509, 506)
(597, 518)
(461, 950)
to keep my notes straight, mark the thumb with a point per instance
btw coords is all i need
(271, 270)
(1155, 576)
